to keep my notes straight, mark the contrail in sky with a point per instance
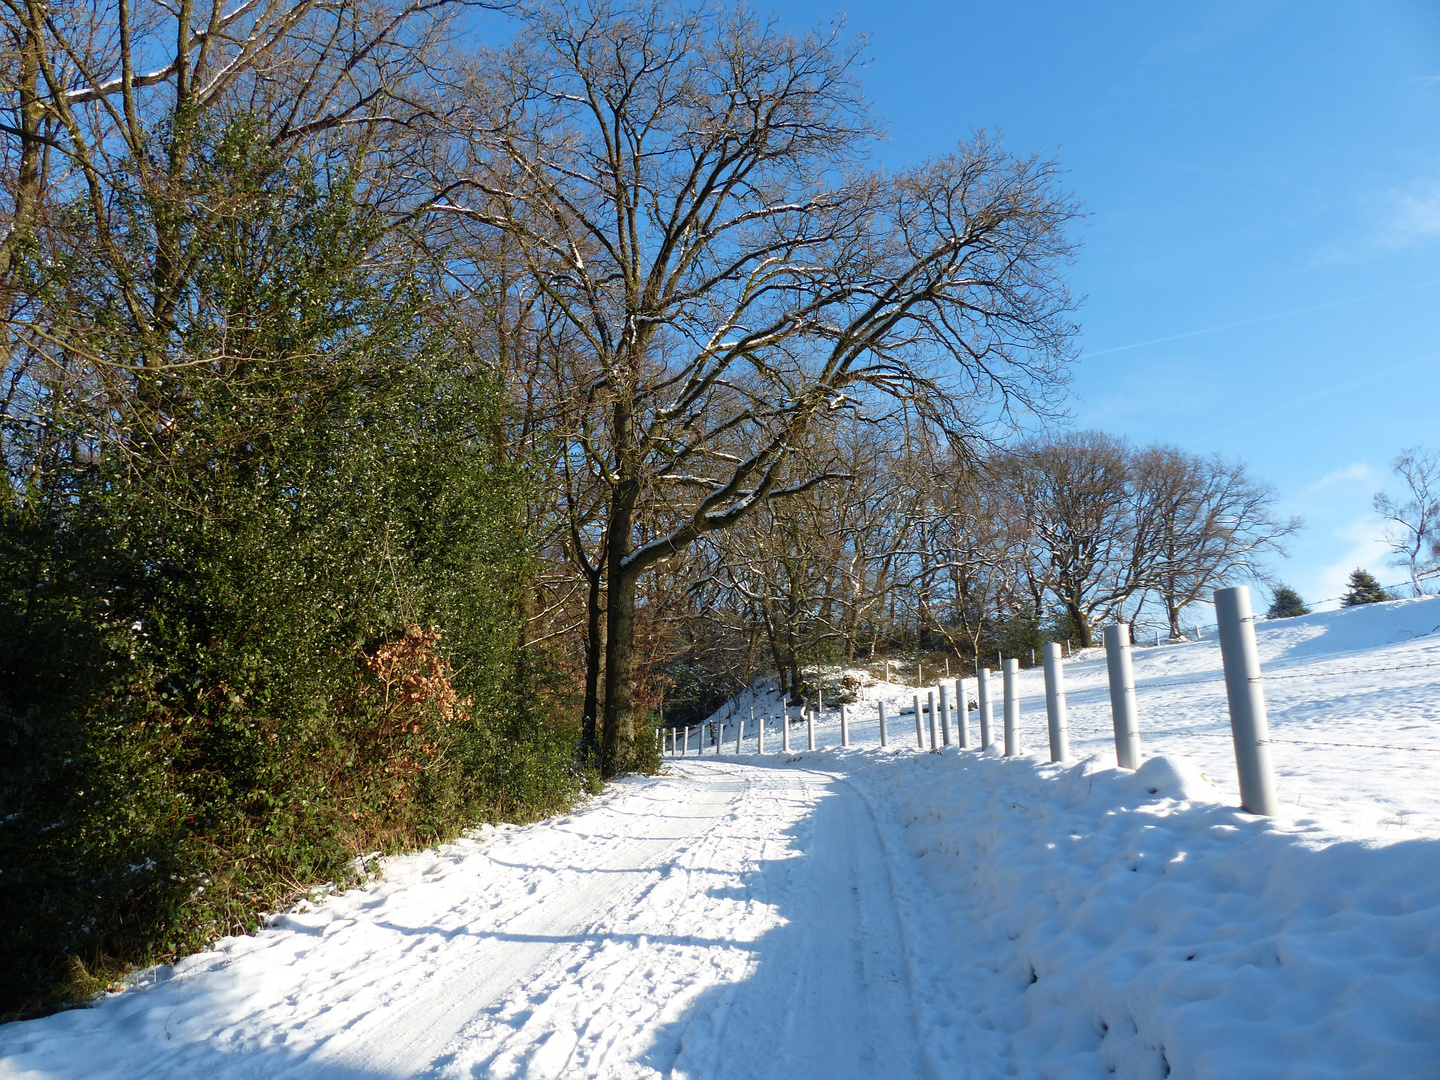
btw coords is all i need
(1257, 319)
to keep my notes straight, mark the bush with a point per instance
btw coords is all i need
(272, 633)
(1286, 604)
(1364, 589)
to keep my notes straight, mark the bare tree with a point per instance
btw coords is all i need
(106, 207)
(1073, 494)
(1413, 529)
(689, 187)
(1200, 522)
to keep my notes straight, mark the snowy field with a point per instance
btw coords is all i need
(867, 913)
(1353, 698)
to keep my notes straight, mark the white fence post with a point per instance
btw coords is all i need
(1011, 668)
(930, 705)
(919, 721)
(785, 727)
(944, 714)
(986, 706)
(962, 714)
(1249, 725)
(1055, 711)
(1122, 695)
(844, 724)
(810, 729)
(760, 737)
(884, 733)
(739, 735)
(720, 737)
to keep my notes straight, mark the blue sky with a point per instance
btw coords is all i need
(1240, 162)
(1261, 261)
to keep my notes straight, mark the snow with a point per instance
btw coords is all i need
(897, 913)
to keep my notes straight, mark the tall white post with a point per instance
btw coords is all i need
(1122, 696)
(785, 727)
(919, 722)
(685, 749)
(884, 733)
(1249, 724)
(819, 698)
(760, 737)
(810, 729)
(985, 704)
(844, 724)
(944, 714)
(739, 735)
(962, 714)
(919, 673)
(720, 737)
(930, 705)
(1055, 710)
(1012, 707)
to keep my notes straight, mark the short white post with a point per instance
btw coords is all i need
(810, 729)
(930, 706)
(962, 714)
(844, 724)
(1012, 707)
(819, 699)
(1249, 724)
(919, 673)
(760, 737)
(785, 727)
(986, 707)
(884, 732)
(919, 722)
(720, 737)
(739, 735)
(944, 714)
(1122, 695)
(685, 749)
(1055, 710)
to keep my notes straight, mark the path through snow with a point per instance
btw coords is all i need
(620, 941)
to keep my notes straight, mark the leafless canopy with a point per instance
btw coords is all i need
(690, 188)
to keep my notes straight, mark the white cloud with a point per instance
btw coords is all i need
(1359, 473)
(1365, 548)
(1414, 213)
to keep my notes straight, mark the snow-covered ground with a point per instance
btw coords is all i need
(1353, 698)
(867, 913)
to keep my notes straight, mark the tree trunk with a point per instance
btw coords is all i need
(594, 650)
(618, 730)
(1080, 623)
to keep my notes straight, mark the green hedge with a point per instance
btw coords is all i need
(275, 629)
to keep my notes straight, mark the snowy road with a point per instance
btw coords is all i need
(726, 920)
(886, 913)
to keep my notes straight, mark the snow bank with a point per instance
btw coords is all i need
(1086, 921)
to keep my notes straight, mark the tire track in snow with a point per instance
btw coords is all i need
(771, 947)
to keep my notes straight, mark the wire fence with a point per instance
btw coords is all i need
(1257, 738)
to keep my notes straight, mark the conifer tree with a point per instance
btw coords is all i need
(1286, 604)
(1364, 589)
